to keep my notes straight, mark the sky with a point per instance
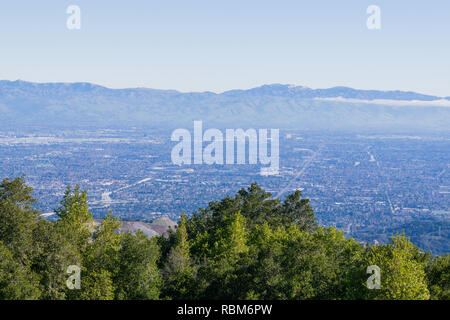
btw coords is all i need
(218, 45)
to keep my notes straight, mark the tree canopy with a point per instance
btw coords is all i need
(249, 246)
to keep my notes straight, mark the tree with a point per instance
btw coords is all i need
(255, 204)
(438, 277)
(230, 240)
(17, 282)
(17, 219)
(96, 285)
(54, 253)
(74, 217)
(402, 273)
(295, 210)
(103, 251)
(138, 276)
(179, 272)
(292, 263)
(227, 247)
(257, 207)
(100, 262)
(246, 247)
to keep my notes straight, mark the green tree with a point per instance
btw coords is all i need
(179, 272)
(17, 282)
(17, 219)
(96, 285)
(227, 247)
(103, 249)
(291, 263)
(230, 240)
(53, 254)
(244, 247)
(402, 273)
(138, 276)
(257, 207)
(438, 277)
(100, 262)
(295, 210)
(75, 220)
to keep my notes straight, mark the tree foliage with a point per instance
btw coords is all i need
(249, 246)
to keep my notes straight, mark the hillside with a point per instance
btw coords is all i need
(157, 227)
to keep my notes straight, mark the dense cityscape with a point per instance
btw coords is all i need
(371, 186)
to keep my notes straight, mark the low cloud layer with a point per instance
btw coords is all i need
(400, 103)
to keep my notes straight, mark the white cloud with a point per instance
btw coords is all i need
(387, 102)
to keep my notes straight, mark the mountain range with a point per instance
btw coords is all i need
(49, 105)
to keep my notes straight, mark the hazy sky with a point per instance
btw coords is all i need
(217, 45)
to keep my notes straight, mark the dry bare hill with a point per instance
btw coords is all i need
(157, 227)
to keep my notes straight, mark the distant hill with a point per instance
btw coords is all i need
(24, 104)
(157, 227)
(428, 235)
